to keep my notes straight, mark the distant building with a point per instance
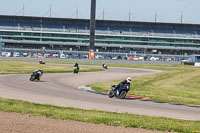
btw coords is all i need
(193, 60)
(28, 32)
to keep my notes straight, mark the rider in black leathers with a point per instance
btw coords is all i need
(122, 83)
(38, 73)
(104, 66)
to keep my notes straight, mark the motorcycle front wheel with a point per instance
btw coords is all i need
(111, 94)
(32, 78)
(122, 95)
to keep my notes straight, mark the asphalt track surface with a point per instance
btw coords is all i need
(62, 90)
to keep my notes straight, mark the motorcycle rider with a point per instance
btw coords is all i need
(38, 73)
(123, 83)
(76, 68)
(41, 62)
(104, 66)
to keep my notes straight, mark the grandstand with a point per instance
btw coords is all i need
(28, 32)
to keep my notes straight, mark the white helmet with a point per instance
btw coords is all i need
(128, 79)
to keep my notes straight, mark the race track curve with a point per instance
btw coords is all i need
(62, 90)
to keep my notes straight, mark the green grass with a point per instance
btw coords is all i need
(100, 117)
(178, 84)
(22, 67)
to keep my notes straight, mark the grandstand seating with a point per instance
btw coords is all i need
(116, 35)
(73, 28)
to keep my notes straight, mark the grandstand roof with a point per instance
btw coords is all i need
(109, 23)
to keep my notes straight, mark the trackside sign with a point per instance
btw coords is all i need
(197, 64)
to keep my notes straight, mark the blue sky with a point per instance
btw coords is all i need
(141, 10)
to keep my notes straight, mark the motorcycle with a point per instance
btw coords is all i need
(119, 93)
(105, 66)
(41, 62)
(76, 70)
(36, 76)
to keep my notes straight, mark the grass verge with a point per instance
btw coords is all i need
(100, 117)
(24, 67)
(178, 84)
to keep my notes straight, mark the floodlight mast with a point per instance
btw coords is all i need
(92, 25)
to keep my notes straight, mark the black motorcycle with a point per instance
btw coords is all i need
(119, 93)
(36, 76)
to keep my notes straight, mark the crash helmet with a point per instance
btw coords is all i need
(128, 79)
